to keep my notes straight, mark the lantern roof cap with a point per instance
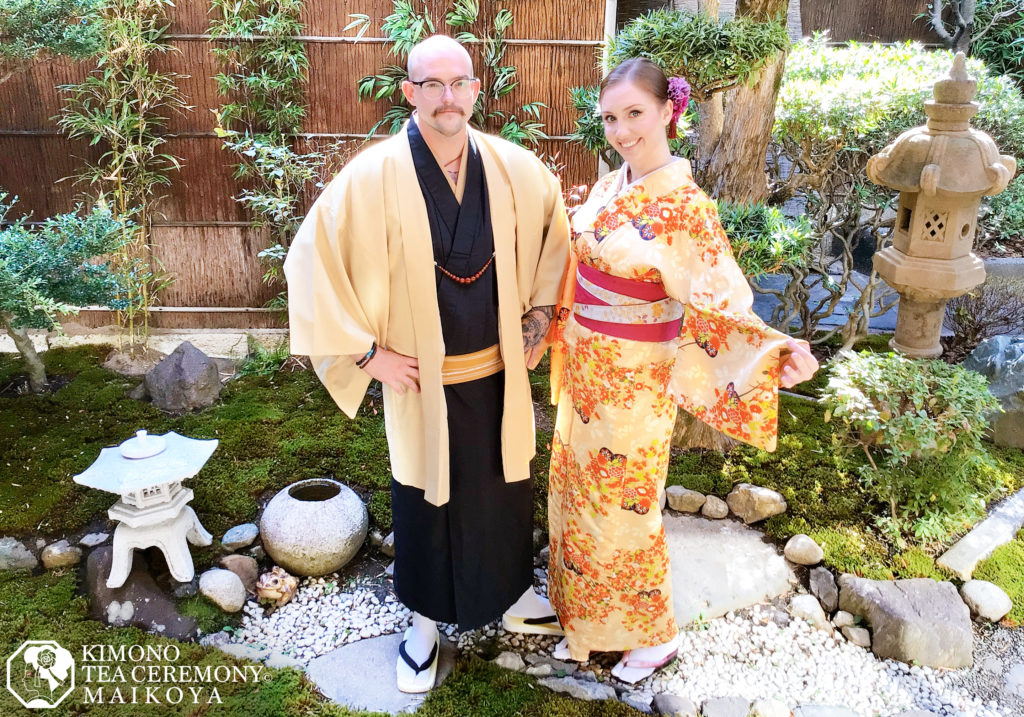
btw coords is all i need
(115, 473)
(946, 156)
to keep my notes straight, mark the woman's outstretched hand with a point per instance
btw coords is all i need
(799, 365)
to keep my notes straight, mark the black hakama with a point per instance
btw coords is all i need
(467, 561)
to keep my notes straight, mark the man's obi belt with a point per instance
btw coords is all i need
(471, 367)
(625, 308)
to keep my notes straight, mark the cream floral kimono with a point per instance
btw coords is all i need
(617, 397)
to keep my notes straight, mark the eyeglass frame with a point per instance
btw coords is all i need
(444, 85)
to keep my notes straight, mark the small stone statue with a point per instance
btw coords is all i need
(277, 587)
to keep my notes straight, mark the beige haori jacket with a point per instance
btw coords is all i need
(361, 269)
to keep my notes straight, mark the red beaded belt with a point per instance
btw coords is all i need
(625, 308)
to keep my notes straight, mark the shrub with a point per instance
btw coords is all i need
(920, 425)
(263, 361)
(1002, 217)
(763, 240)
(996, 307)
(1002, 45)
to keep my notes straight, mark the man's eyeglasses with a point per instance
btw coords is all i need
(434, 89)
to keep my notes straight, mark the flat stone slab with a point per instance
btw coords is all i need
(997, 529)
(361, 675)
(721, 565)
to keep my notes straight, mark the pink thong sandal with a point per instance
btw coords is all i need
(645, 665)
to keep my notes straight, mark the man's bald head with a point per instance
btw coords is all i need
(434, 48)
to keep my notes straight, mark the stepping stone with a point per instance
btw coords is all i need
(725, 707)
(721, 565)
(998, 528)
(333, 675)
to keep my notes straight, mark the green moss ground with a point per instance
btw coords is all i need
(278, 429)
(1005, 568)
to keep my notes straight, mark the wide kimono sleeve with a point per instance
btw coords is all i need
(727, 369)
(554, 254)
(337, 273)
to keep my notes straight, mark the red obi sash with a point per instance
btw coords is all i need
(637, 310)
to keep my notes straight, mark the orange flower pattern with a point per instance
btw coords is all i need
(609, 568)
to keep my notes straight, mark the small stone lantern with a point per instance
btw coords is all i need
(941, 171)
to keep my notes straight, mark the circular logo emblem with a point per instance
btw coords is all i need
(40, 674)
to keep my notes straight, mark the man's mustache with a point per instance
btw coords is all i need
(452, 108)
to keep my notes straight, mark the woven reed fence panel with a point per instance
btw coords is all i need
(199, 237)
(867, 20)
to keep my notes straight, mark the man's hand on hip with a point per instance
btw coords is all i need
(396, 370)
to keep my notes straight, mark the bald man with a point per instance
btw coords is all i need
(431, 263)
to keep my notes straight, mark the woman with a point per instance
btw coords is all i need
(658, 314)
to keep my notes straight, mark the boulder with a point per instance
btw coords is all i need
(802, 550)
(769, 708)
(986, 600)
(93, 539)
(714, 507)
(557, 666)
(671, 705)
(61, 555)
(15, 556)
(186, 380)
(843, 619)
(918, 621)
(139, 602)
(223, 588)
(753, 503)
(823, 587)
(808, 608)
(1001, 360)
(683, 499)
(246, 568)
(241, 536)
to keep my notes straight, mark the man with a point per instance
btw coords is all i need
(431, 263)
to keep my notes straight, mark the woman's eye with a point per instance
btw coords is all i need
(634, 113)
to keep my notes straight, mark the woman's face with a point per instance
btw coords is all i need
(635, 123)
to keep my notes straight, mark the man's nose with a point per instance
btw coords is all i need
(447, 91)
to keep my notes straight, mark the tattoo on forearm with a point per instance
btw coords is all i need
(535, 325)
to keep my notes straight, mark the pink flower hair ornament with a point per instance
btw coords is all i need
(679, 93)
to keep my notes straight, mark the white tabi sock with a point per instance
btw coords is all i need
(530, 604)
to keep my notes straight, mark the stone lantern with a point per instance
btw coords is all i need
(941, 171)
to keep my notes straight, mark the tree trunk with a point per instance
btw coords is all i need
(690, 432)
(36, 371)
(737, 168)
(711, 111)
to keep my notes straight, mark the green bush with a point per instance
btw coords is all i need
(920, 424)
(1002, 216)
(1002, 46)
(996, 307)
(763, 239)
(263, 361)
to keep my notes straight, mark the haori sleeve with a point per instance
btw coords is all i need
(337, 290)
(727, 369)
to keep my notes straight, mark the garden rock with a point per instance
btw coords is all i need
(246, 568)
(510, 661)
(823, 587)
(802, 550)
(640, 701)
(914, 621)
(769, 708)
(986, 600)
(859, 636)
(540, 670)
(387, 546)
(93, 539)
(1001, 360)
(241, 536)
(683, 499)
(997, 529)
(807, 607)
(150, 609)
(580, 689)
(720, 565)
(277, 660)
(1013, 681)
(332, 674)
(562, 668)
(843, 619)
(725, 707)
(185, 590)
(672, 705)
(753, 503)
(245, 651)
(714, 507)
(15, 556)
(223, 588)
(61, 555)
(186, 380)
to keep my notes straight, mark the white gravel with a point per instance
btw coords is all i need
(747, 654)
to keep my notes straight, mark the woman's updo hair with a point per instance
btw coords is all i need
(640, 71)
